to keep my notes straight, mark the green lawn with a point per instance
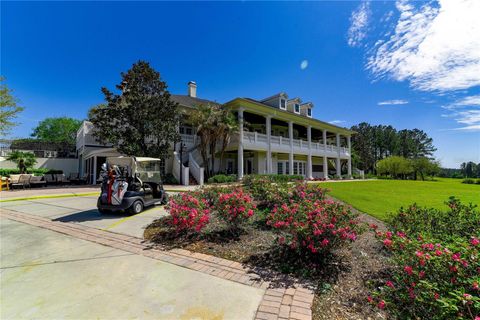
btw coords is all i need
(379, 198)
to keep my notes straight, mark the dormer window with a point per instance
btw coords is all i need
(283, 104)
(309, 112)
(297, 108)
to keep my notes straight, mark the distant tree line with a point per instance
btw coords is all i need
(372, 143)
(470, 169)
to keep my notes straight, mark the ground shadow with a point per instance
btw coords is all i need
(90, 215)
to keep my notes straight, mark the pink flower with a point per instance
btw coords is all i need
(436, 296)
(387, 242)
(438, 252)
(421, 274)
(381, 304)
(388, 234)
(370, 299)
(475, 242)
(325, 242)
(390, 284)
(456, 257)
(408, 270)
(475, 285)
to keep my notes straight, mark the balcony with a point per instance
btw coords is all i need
(259, 141)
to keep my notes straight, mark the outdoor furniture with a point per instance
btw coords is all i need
(37, 181)
(4, 183)
(83, 179)
(50, 179)
(74, 178)
(23, 181)
(61, 178)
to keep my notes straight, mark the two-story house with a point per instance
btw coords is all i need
(276, 135)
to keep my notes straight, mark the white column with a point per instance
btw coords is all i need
(337, 160)
(309, 157)
(324, 136)
(269, 150)
(290, 135)
(349, 141)
(95, 170)
(240, 144)
(325, 167)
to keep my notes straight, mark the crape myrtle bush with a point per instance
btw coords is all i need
(435, 264)
(191, 211)
(309, 222)
(222, 178)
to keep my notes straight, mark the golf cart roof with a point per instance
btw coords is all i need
(127, 158)
(141, 159)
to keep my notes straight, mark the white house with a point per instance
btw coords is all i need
(277, 135)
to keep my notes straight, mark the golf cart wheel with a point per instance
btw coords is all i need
(136, 207)
(103, 211)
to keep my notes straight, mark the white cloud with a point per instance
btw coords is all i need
(435, 45)
(392, 102)
(359, 24)
(304, 64)
(336, 121)
(466, 112)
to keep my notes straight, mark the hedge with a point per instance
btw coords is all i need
(37, 172)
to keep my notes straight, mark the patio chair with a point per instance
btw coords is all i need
(83, 179)
(37, 181)
(23, 181)
(62, 179)
(50, 179)
(74, 178)
(4, 183)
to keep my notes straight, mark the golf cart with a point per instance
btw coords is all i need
(130, 184)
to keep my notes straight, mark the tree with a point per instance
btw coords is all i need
(469, 169)
(424, 166)
(215, 126)
(62, 129)
(363, 146)
(24, 160)
(394, 166)
(141, 120)
(9, 108)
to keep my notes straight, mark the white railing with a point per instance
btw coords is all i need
(262, 139)
(177, 166)
(189, 139)
(197, 171)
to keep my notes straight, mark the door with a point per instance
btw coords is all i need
(248, 166)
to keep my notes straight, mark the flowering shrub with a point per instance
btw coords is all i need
(458, 221)
(435, 274)
(314, 225)
(235, 207)
(190, 211)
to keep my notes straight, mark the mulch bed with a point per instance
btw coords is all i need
(342, 280)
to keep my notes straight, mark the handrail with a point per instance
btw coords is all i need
(177, 166)
(197, 171)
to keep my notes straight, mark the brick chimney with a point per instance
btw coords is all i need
(192, 89)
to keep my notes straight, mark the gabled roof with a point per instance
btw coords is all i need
(190, 102)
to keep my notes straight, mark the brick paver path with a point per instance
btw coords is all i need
(279, 301)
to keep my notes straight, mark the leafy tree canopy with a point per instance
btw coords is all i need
(62, 129)
(23, 160)
(141, 120)
(9, 108)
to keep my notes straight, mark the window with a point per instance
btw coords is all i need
(297, 108)
(287, 167)
(283, 104)
(295, 167)
(280, 168)
(182, 130)
(188, 131)
(309, 112)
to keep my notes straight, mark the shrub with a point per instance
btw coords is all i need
(477, 181)
(222, 178)
(458, 221)
(315, 226)
(435, 263)
(468, 181)
(37, 172)
(272, 178)
(189, 211)
(431, 280)
(235, 207)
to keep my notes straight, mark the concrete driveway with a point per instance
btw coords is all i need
(47, 275)
(83, 210)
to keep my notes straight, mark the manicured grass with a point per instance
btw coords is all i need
(380, 198)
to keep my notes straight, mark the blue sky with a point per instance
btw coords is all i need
(399, 63)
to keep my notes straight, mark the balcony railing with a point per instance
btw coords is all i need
(261, 139)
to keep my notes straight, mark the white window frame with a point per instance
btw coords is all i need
(296, 107)
(284, 102)
(309, 112)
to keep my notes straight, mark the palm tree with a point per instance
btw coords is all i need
(214, 124)
(24, 160)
